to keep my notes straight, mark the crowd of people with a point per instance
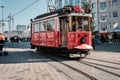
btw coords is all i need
(110, 38)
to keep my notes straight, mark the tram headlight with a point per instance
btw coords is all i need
(83, 40)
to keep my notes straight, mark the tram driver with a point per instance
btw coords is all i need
(79, 28)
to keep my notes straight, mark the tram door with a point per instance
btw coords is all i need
(64, 24)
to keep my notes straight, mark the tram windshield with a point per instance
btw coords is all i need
(80, 23)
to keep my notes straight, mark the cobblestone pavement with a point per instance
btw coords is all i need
(107, 51)
(22, 64)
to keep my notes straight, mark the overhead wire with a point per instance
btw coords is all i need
(25, 7)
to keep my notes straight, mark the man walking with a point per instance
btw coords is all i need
(2, 39)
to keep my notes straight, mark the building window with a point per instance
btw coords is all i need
(94, 15)
(56, 2)
(109, 3)
(114, 3)
(85, 0)
(103, 5)
(109, 14)
(77, 2)
(93, 5)
(65, 2)
(103, 27)
(110, 26)
(103, 16)
(71, 2)
(115, 14)
(60, 3)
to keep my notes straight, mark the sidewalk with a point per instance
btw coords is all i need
(23, 64)
(29, 71)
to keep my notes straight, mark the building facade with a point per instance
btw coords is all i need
(61, 3)
(106, 15)
(21, 27)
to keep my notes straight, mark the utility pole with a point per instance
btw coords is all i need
(9, 16)
(2, 19)
(11, 20)
(12, 23)
(98, 16)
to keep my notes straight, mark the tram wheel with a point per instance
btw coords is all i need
(0, 54)
(5, 53)
(83, 55)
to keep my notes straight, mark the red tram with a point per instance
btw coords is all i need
(66, 30)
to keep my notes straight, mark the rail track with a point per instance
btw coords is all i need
(103, 61)
(77, 70)
(56, 59)
(90, 64)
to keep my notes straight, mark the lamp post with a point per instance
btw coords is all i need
(2, 19)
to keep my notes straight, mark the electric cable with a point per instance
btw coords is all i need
(26, 7)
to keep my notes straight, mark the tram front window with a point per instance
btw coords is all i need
(85, 24)
(81, 23)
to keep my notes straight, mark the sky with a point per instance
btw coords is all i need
(22, 17)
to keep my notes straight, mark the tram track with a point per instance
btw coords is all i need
(85, 63)
(72, 68)
(101, 65)
(90, 64)
(103, 61)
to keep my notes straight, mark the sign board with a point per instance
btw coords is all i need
(117, 29)
(115, 25)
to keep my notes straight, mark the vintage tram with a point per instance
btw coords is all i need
(67, 30)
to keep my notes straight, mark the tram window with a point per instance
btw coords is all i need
(85, 24)
(36, 28)
(73, 24)
(42, 26)
(51, 25)
(79, 23)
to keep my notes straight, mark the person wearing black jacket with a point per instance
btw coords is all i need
(2, 40)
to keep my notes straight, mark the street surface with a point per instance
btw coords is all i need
(23, 63)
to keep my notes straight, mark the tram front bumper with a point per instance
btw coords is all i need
(84, 46)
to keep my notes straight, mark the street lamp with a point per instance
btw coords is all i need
(2, 18)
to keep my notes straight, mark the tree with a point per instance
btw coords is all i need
(86, 6)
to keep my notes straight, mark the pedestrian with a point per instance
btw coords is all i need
(93, 40)
(2, 40)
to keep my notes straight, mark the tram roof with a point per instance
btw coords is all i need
(58, 13)
(80, 14)
(48, 14)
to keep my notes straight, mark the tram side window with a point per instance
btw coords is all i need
(85, 24)
(37, 27)
(79, 24)
(73, 24)
(51, 25)
(42, 26)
